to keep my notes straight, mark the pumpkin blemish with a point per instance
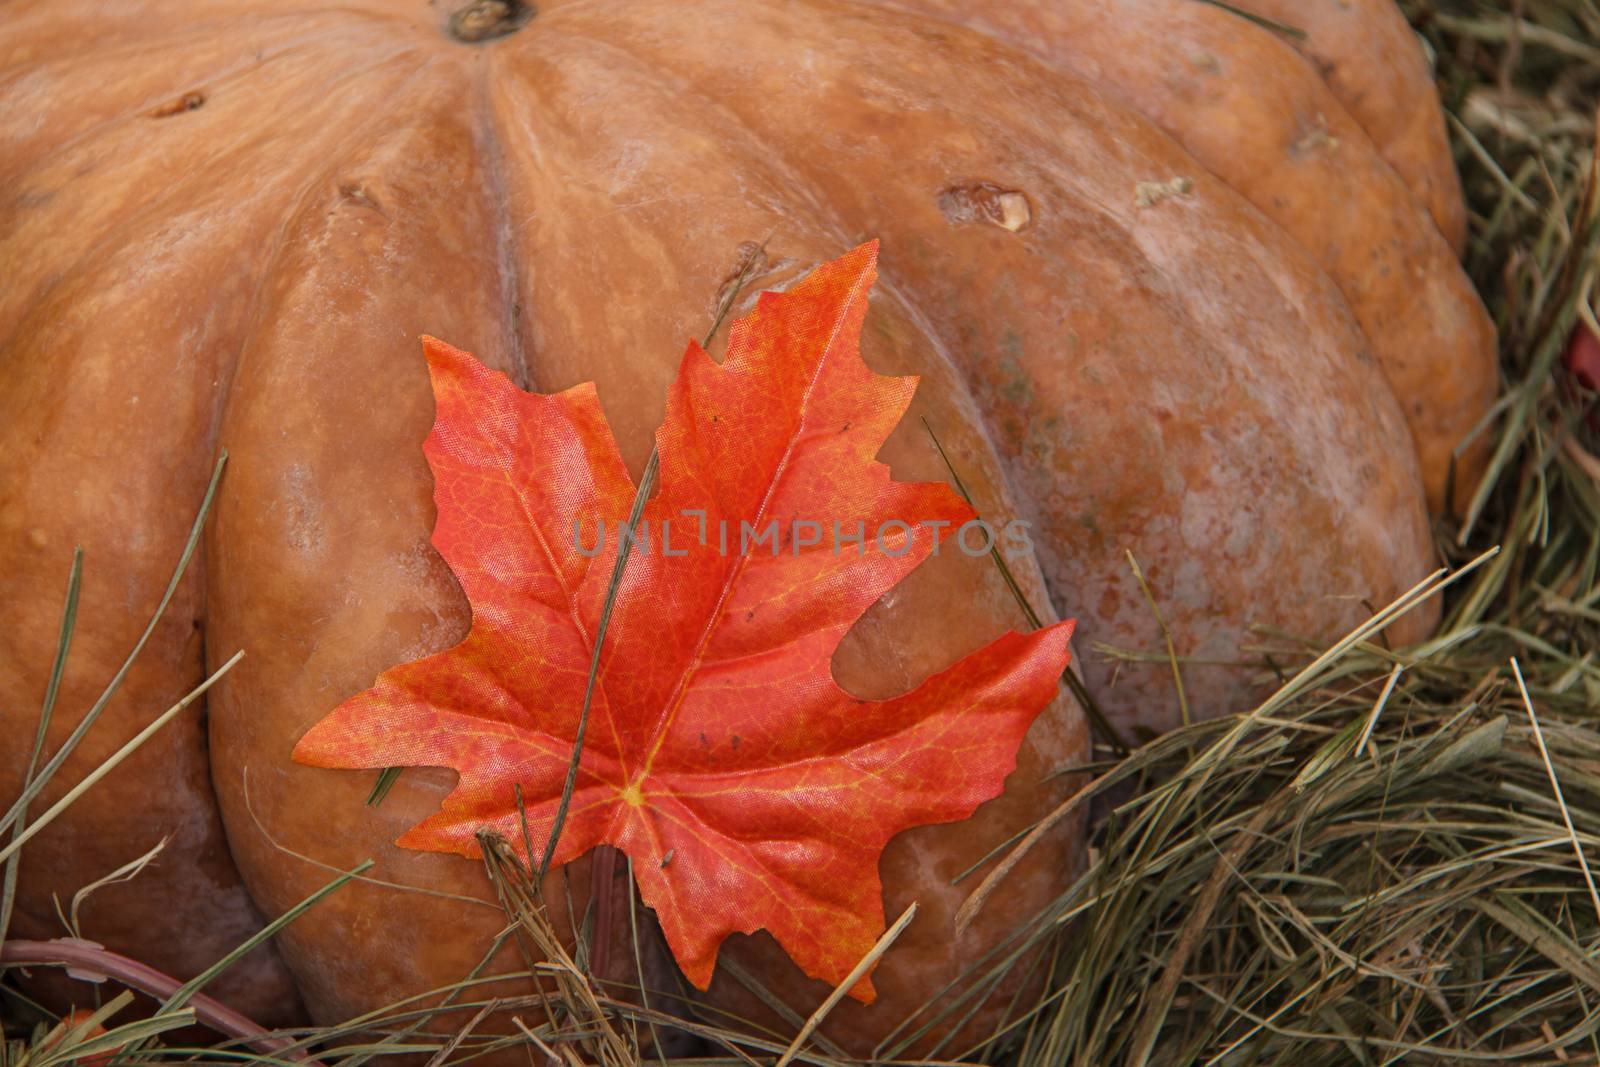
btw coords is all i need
(192, 100)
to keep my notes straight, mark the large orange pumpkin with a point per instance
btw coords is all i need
(1158, 274)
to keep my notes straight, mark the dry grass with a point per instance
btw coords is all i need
(1387, 861)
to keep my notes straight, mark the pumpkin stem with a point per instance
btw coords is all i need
(484, 20)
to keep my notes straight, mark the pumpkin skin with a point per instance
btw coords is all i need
(1370, 59)
(1179, 379)
(1203, 74)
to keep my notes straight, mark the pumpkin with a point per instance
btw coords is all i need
(225, 225)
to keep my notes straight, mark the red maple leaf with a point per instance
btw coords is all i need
(1582, 356)
(749, 789)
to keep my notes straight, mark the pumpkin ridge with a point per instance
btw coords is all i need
(154, 211)
(652, 72)
(512, 282)
(175, 44)
(1367, 54)
(271, 259)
